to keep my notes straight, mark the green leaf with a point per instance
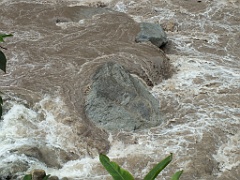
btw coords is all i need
(158, 168)
(27, 177)
(114, 169)
(1, 101)
(2, 36)
(177, 175)
(46, 177)
(3, 61)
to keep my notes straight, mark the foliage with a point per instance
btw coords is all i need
(2, 36)
(46, 177)
(27, 177)
(3, 59)
(158, 168)
(114, 169)
(3, 62)
(177, 175)
(119, 173)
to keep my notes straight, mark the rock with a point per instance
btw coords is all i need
(153, 33)
(55, 157)
(53, 178)
(52, 157)
(98, 4)
(170, 26)
(118, 100)
(64, 178)
(38, 174)
(9, 169)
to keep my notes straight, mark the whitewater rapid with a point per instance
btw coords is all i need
(200, 102)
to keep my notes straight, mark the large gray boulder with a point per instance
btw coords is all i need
(153, 33)
(118, 100)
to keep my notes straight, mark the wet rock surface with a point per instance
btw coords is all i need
(38, 174)
(153, 33)
(51, 157)
(10, 169)
(53, 178)
(118, 101)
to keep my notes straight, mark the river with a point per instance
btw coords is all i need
(52, 46)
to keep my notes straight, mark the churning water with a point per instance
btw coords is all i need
(52, 46)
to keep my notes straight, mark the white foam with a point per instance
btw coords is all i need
(21, 126)
(120, 6)
(79, 168)
(228, 153)
(86, 2)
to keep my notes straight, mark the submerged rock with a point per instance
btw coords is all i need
(52, 157)
(9, 169)
(153, 33)
(53, 178)
(118, 100)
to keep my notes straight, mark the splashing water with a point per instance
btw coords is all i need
(200, 102)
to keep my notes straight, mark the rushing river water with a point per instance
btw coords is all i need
(52, 46)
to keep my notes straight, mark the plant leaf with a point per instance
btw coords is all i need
(46, 177)
(27, 177)
(158, 168)
(177, 175)
(114, 169)
(1, 101)
(3, 61)
(2, 36)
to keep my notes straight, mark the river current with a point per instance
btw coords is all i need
(53, 44)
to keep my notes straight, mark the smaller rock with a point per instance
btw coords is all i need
(170, 26)
(38, 174)
(52, 157)
(9, 169)
(53, 178)
(153, 33)
(98, 4)
(64, 178)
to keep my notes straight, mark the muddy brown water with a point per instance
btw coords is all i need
(53, 45)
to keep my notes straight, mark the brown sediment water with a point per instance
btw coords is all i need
(54, 44)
